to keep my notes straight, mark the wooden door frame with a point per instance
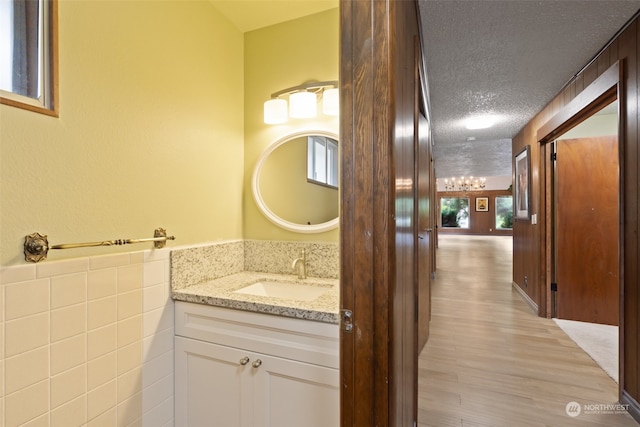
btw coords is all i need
(371, 40)
(604, 90)
(365, 108)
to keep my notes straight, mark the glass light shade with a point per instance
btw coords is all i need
(331, 102)
(303, 105)
(481, 122)
(275, 111)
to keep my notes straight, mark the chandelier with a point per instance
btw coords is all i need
(464, 184)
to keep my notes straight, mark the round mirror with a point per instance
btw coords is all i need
(295, 182)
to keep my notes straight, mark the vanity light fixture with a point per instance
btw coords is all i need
(303, 101)
(275, 111)
(331, 102)
(303, 105)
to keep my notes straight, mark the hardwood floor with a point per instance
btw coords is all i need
(491, 361)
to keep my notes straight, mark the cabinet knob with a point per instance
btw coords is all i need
(244, 360)
(257, 363)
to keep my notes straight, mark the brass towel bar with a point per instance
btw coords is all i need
(36, 245)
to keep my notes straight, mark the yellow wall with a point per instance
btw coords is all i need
(276, 58)
(150, 132)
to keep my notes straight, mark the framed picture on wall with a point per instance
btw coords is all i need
(522, 196)
(482, 204)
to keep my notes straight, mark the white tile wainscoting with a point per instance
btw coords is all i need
(87, 341)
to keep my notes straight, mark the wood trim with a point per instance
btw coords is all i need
(634, 406)
(379, 96)
(53, 110)
(622, 144)
(629, 49)
(531, 303)
(576, 110)
(546, 231)
(347, 218)
(364, 227)
(417, 49)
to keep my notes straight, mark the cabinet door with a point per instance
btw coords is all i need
(212, 385)
(289, 393)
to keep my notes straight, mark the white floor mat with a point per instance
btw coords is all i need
(598, 341)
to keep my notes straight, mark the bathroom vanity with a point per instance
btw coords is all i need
(248, 355)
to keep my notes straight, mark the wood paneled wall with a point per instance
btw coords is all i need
(480, 223)
(528, 239)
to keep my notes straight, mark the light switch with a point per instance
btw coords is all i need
(534, 219)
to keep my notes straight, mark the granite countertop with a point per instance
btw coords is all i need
(221, 292)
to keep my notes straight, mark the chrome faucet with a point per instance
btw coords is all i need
(300, 264)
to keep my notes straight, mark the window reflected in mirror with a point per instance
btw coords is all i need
(28, 47)
(454, 212)
(322, 160)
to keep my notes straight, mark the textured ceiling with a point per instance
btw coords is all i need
(507, 58)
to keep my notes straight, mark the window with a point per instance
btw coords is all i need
(28, 64)
(504, 212)
(322, 160)
(454, 212)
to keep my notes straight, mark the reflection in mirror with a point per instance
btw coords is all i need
(283, 190)
(322, 160)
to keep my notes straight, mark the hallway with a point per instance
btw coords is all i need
(490, 361)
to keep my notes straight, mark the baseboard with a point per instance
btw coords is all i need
(526, 297)
(633, 408)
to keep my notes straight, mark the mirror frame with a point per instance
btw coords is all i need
(257, 196)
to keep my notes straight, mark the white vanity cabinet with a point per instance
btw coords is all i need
(238, 368)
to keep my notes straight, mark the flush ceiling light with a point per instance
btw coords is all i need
(303, 102)
(480, 122)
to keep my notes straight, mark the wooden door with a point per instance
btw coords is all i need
(425, 231)
(587, 229)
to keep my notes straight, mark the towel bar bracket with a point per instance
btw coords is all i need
(36, 245)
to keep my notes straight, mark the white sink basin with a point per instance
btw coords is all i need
(295, 291)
